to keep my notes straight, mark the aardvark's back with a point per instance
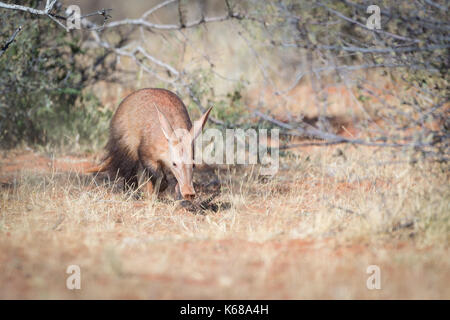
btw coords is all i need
(136, 118)
(135, 131)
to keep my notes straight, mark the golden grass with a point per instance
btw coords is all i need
(308, 232)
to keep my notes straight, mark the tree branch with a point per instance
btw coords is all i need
(10, 41)
(182, 25)
(330, 138)
(344, 17)
(50, 4)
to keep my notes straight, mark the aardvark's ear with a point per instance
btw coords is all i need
(165, 126)
(199, 124)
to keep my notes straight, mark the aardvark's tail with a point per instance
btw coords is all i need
(104, 166)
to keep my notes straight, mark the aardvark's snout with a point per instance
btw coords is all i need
(189, 196)
(187, 192)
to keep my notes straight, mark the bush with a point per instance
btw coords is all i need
(43, 79)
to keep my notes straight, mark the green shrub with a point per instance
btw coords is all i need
(43, 80)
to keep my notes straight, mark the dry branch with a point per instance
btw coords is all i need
(10, 41)
(49, 6)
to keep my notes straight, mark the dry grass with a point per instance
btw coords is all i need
(309, 232)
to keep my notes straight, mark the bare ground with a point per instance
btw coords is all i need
(309, 232)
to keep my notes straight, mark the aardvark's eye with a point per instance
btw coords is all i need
(174, 164)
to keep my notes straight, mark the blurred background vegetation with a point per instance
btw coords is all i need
(311, 68)
(44, 87)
